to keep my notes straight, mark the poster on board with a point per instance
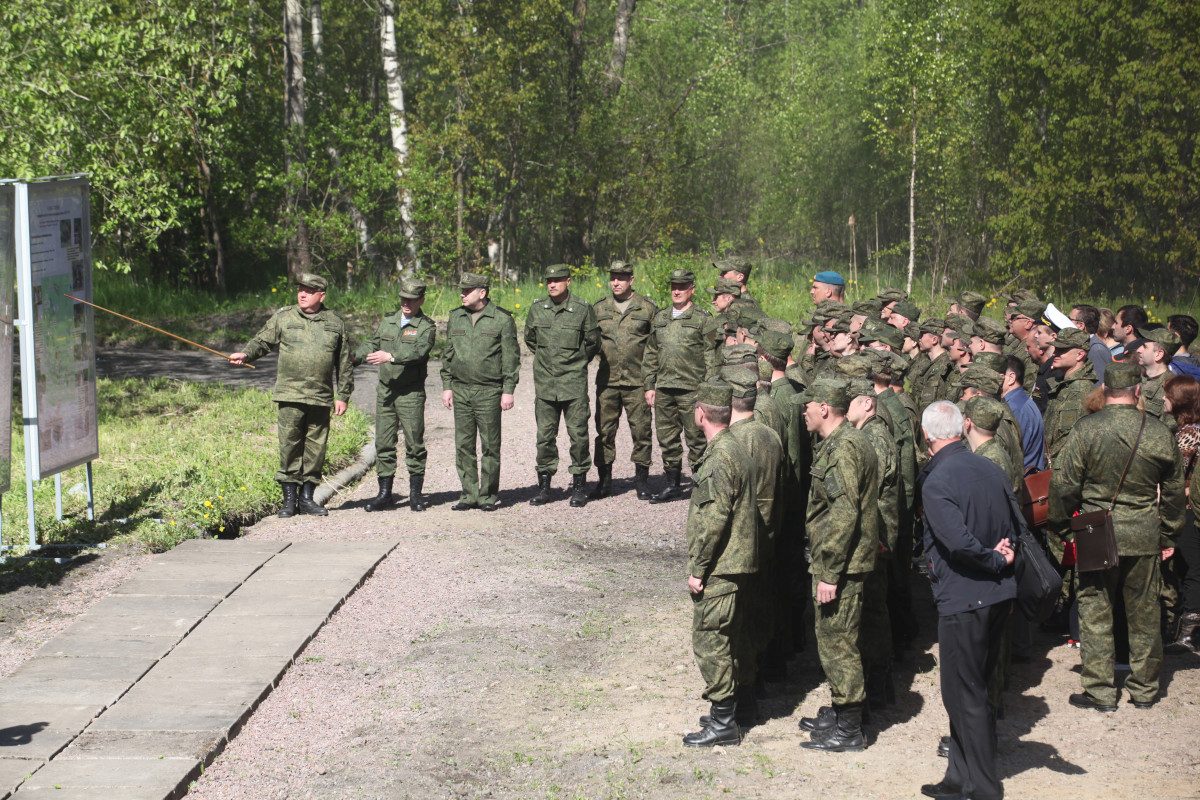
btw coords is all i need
(8, 312)
(64, 340)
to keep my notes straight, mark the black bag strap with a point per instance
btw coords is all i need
(1128, 463)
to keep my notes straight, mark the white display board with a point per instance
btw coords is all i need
(8, 313)
(59, 264)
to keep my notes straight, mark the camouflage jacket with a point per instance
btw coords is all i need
(890, 494)
(905, 444)
(766, 451)
(916, 372)
(1015, 347)
(722, 523)
(933, 384)
(769, 413)
(1009, 437)
(995, 452)
(563, 338)
(409, 347)
(843, 519)
(1149, 510)
(682, 352)
(1153, 395)
(623, 339)
(1067, 407)
(483, 353)
(314, 351)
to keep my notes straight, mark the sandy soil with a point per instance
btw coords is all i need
(545, 653)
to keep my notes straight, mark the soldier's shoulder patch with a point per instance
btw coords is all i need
(501, 309)
(700, 312)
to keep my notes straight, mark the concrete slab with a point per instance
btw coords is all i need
(284, 642)
(15, 770)
(379, 548)
(109, 644)
(74, 793)
(188, 692)
(89, 667)
(90, 626)
(164, 775)
(68, 690)
(177, 588)
(146, 606)
(267, 546)
(39, 730)
(260, 588)
(279, 569)
(266, 669)
(195, 745)
(154, 715)
(240, 604)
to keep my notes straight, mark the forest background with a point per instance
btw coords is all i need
(964, 142)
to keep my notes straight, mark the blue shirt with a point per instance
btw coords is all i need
(1033, 433)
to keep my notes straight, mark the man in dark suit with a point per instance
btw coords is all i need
(969, 524)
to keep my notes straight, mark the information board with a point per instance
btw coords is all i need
(60, 262)
(8, 276)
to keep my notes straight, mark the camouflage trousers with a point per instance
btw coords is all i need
(875, 631)
(575, 413)
(837, 626)
(397, 411)
(303, 435)
(1136, 579)
(609, 402)
(477, 416)
(715, 641)
(674, 414)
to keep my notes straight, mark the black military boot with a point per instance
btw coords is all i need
(416, 493)
(641, 482)
(543, 495)
(722, 728)
(384, 499)
(746, 715)
(1185, 639)
(288, 509)
(846, 735)
(579, 496)
(672, 492)
(825, 720)
(603, 483)
(307, 505)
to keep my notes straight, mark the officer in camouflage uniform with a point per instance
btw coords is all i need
(624, 318)
(737, 269)
(723, 541)
(968, 304)
(1066, 407)
(982, 416)
(562, 334)
(314, 351)
(1022, 318)
(932, 383)
(680, 354)
(1147, 516)
(727, 316)
(843, 535)
(400, 348)
(1154, 356)
(982, 381)
(480, 367)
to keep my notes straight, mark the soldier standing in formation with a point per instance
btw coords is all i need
(400, 348)
(624, 318)
(314, 352)
(480, 367)
(562, 334)
(680, 354)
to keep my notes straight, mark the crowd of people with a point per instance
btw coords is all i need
(828, 455)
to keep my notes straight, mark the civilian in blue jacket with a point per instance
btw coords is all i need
(968, 530)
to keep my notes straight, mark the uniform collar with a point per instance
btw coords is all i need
(566, 305)
(319, 315)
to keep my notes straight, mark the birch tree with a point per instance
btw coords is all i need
(398, 122)
(299, 258)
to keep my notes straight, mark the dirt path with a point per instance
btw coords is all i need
(545, 653)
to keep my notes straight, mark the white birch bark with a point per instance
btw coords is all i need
(912, 200)
(399, 125)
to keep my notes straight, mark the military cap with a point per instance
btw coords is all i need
(830, 277)
(831, 391)
(993, 361)
(1161, 336)
(860, 387)
(984, 412)
(472, 280)
(737, 354)
(912, 331)
(892, 337)
(1072, 339)
(765, 371)
(776, 344)
(748, 316)
(742, 382)
(714, 393)
(840, 325)
(891, 295)
(958, 323)
(619, 267)
(733, 264)
(1034, 309)
(961, 336)
(726, 286)
(1122, 375)
(682, 276)
(869, 308)
(883, 368)
(907, 309)
(985, 379)
(411, 290)
(557, 271)
(934, 326)
(989, 330)
(311, 280)
(972, 300)
(868, 333)
(1019, 296)
(831, 307)
(855, 366)
(778, 325)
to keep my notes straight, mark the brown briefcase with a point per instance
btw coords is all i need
(1095, 537)
(1035, 498)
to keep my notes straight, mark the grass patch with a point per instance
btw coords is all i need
(177, 461)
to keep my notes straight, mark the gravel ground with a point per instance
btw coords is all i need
(545, 653)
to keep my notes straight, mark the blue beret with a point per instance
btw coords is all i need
(830, 277)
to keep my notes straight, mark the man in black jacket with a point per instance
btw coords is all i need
(968, 532)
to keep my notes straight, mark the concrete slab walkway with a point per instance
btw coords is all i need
(145, 689)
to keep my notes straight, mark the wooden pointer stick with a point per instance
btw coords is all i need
(157, 330)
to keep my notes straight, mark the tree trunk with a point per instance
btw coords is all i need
(912, 200)
(299, 259)
(212, 222)
(361, 228)
(620, 48)
(399, 125)
(574, 224)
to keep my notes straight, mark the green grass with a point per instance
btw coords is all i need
(177, 461)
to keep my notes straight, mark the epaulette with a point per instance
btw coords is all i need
(501, 309)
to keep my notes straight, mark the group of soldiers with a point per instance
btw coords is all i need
(804, 444)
